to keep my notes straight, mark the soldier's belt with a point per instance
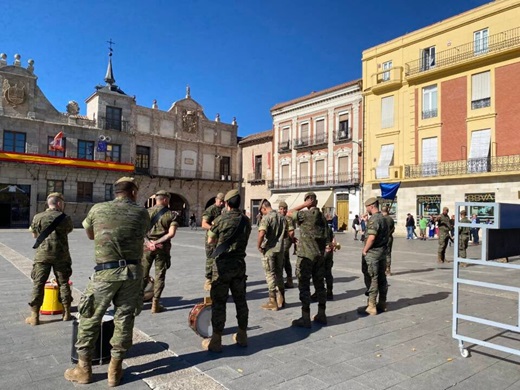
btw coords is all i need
(114, 264)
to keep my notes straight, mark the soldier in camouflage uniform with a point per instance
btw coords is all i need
(271, 233)
(118, 229)
(311, 262)
(373, 261)
(443, 221)
(208, 217)
(282, 209)
(229, 272)
(53, 253)
(464, 233)
(159, 246)
(391, 228)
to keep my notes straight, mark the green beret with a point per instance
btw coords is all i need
(220, 196)
(283, 204)
(163, 193)
(231, 194)
(127, 179)
(309, 194)
(56, 195)
(370, 201)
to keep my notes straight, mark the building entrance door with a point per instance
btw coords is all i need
(14, 205)
(342, 207)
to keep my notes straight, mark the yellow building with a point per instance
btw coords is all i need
(441, 108)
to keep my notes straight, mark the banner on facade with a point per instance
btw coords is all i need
(389, 190)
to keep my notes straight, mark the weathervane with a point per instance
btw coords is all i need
(110, 43)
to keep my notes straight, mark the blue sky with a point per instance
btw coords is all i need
(240, 58)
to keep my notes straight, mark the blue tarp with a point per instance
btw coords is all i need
(389, 190)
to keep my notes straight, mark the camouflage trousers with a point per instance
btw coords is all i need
(162, 259)
(389, 251)
(444, 237)
(307, 269)
(234, 280)
(373, 266)
(329, 262)
(209, 260)
(273, 267)
(99, 294)
(40, 273)
(463, 245)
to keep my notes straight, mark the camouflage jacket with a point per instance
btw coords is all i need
(464, 230)
(444, 223)
(313, 233)
(223, 228)
(390, 224)
(162, 226)
(210, 214)
(275, 227)
(55, 248)
(287, 242)
(119, 229)
(377, 227)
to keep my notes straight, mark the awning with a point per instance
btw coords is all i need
(293, 199)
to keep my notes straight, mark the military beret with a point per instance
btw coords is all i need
(127, 179)
(231, 194)
(163, 193)
(370, 201)
(220, 196)
(283, 204)
(308, 194)
(57, 195)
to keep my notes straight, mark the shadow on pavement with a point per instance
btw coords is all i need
(413, 271)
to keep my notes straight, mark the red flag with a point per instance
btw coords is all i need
(57, 142)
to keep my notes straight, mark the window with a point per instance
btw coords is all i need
(304, 173)
(387, 112)
(386, 159)
(344, 131)
(320, 131)
(429, 156)
(480, 41)
(109, 192)
(113, 153)
(304, 135)
(429, 101)
(284, 139)
(285, 134)
(342, 169)
(428, 58)
(479, 151)
(56, 153)
(142, 159)
(286, 178)
(14, 142)
(480, 90)
(113, 118)
(258, 167)
(54, 186)
(84, 192)
(225, 168)
(386, 66)
(86, 150)
(319, 174)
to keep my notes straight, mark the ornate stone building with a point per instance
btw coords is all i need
(179, 150)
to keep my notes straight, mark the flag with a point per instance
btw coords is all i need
(389, 190)
(57, 142)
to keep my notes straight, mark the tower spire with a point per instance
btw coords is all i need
(109, 77)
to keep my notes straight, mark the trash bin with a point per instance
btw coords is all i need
(102, 349)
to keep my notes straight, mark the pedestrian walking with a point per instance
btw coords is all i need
(431, 227)
(443, 222)
(163, 226)
(288, 241)
(475, 221)
(193, 222)
(118, 228)
(363, 227)
(230, 233)
(391, 228)
(410, 225)
(209, 215)
(51, 229)
(423, 223)
(271, 234)
(356, 226)
(464, 233)
(373, 261)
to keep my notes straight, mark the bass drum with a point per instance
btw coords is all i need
(199, 319)
(148, 290)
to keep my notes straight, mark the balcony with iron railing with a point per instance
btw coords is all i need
(472, 166)
(343, 135)
(428, 114)
(284, 146)
(387, 80)
(188, 174)
(257, 178)
(316, 181)
(112, 124)
(310, 141)
(500, 43)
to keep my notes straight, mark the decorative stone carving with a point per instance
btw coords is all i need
(217, 118)
(17, 61)
(14, 95)
(73, 108)
(190, 121)
(3, 59)
(30, 66)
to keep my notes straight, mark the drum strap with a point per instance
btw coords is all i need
(49, 229)
(158, 216)
(226, 244)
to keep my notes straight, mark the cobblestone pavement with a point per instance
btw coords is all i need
(408, 347)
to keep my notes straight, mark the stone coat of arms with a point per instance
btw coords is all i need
(13, 94)
(189, 121)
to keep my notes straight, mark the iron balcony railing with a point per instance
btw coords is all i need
(112, 124)
(343, 135)
(191, 174)
(306, 141)
(315, 181)
(284, 146)
(492, 44)
(426, 114)
(256, 177)
(464, 167)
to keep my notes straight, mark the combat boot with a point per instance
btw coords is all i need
(34, 319)
(388, 271)
(271, 303)
(280, 299)
(207, 285)
(371, 308)
(66, 313)
(440, 259)
(82, 373)
(304, 321)
(241, 337)
(289, 283)
(320, 318)
(115, 371)
(156, 306)
(381, 306)
(214, 344)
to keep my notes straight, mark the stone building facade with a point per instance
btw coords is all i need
(179, 150)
